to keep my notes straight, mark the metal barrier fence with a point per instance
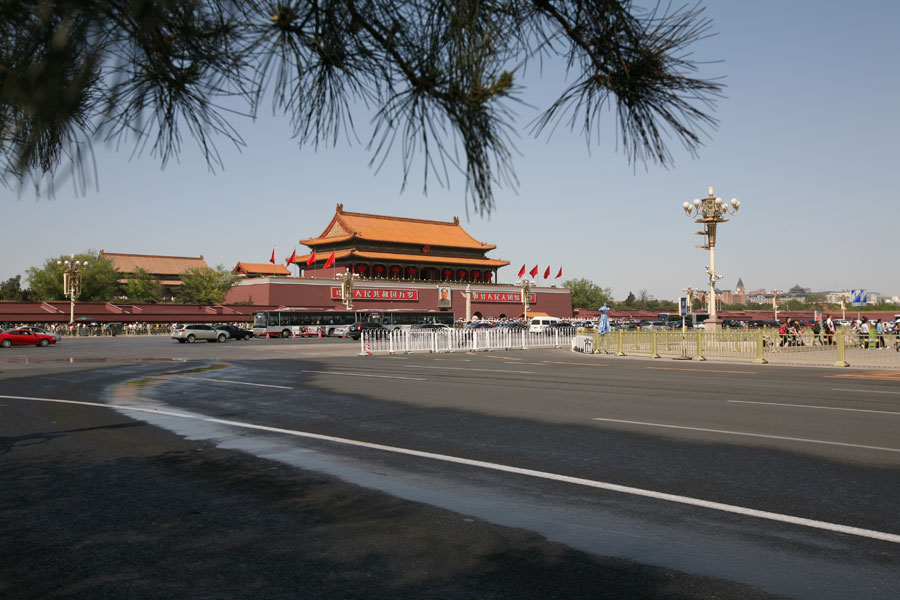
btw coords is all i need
(400, 341)
(760, 346)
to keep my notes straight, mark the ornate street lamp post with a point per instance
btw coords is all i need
(347, 279)
(711, 211)
(525, 287)
(72, 282)
(689, 291)
(775, 294)
(468, 295)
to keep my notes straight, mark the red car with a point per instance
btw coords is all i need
(24, 337)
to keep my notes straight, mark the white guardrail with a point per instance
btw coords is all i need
(401, 341)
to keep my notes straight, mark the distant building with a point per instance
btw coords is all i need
(759, 296)
(798, 292)
(383, 247)
(836, 297)
(403, 265)
(245, 269)
(167, 269)
(738, 296)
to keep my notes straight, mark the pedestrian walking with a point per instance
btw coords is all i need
(864, 333)
(879, 331)
(828, 325)
(817, 333)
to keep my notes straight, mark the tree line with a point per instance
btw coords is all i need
(587, 294)
(102, 282)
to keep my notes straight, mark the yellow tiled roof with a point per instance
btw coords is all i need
(404, 258)
(167, 282)
(260, 269)
(155, 265)
(399, 230)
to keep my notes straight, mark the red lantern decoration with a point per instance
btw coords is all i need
(476, 275)
(410, 272)
(361, 268)
(462, 274)
(379, 269)
(446, 273)
(488, 276)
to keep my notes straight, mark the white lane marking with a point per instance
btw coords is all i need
(865, 391)
(882, 412)
(612, 487)
(744, 433)
(470, 369)
(364, 375)
(269, 385)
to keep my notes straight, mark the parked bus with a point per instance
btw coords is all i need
(299, 321)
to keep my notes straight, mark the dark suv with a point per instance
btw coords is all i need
(376, 329)
(235, 333)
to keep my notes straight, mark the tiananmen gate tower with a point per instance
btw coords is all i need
(401, 264)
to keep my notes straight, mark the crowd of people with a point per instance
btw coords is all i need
(869, 333)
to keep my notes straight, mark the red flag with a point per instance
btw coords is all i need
(293, 257)
(521, 271)
(547, 272)
(272, 260)
(534, 271)
(558, 275)
(330, 261)
(311, 259)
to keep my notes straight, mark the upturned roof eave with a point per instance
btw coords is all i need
(320, 241)
(395, 257)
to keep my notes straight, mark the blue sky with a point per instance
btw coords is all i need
(807, 141)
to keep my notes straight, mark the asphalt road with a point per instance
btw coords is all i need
(296, 469)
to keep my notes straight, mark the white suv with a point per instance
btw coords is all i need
(540, 324)
(198, 331)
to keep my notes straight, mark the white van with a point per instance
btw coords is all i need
(539, 324)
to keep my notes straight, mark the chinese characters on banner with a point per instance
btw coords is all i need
(413, 295)
(370, 294)
(515, 297)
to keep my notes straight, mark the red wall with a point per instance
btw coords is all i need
(316, 293)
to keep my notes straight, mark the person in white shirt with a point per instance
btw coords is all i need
(864, 333)
(829, 330)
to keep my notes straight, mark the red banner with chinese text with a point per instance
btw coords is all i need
(502, 297)
(378, 294)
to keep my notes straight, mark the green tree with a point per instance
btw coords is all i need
(203, 285)
(629, 301)
(815, 302)
(587, 294)
(882, 306)
(439, 76)
(11, 289)
(99, 280)
(144, 288)
(791, 304)
(645, 300)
